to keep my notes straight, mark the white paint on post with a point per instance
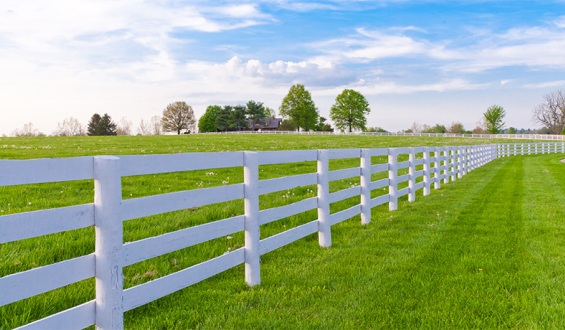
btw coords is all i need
(365, 183)
(437, 164)
(251, 204)
(460, 162)
(427, 180)
(324, 226)
(108, 246)
(412, 175)
(453, 163)
(446, 165)
(392, 175)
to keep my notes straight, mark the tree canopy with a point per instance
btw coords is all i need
(207, 123)
(298, 106)
(349, 111)
(178, 116)
(494, 118)
(101, 125)
(256, 113)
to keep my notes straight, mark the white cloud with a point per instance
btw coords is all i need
(277, 73)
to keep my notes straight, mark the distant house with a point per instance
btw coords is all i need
(270, 124)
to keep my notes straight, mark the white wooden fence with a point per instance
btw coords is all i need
(426, 167)
(538, 137)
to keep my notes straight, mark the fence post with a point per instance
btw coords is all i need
(453, 164)
(459, 162)
(365, 189)
(426, 171)
(437, 164)
(446, 161)
(392, 174)
(411, 175)
(108, 243)
(251, 202)
(324, 227)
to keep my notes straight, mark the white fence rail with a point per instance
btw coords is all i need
(426, 167)
(539, 137)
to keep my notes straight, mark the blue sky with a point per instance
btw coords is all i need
(415, 61)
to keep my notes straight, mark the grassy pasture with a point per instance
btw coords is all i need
(484, 251)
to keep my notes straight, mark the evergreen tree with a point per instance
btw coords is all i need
(256, 113)
(238, 120)
(101, 125)
(222, 121)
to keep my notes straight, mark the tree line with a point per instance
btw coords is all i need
(298, 112)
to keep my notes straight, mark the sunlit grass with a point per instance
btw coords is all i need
(481, 252)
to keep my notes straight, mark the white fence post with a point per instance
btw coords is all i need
(446, 157)
(460, 162)
(427, 171)
(437, 165)
(252, 234)
(365, 189)
(411, 175)
(108, 243)
(324, 227)
(453, 163)
(392, 175)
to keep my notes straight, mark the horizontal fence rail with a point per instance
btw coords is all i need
(413, 169)
(540, 137)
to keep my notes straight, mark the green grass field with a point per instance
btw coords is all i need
(485, 251)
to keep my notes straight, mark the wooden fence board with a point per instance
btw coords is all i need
(151, 164)
(283, 157)
(19, 226)
(340, 216)
(344, 194)
(145, 293)
(17, 172)
(287, 182)
(78, 317)
(151, 247)
(277, 213)
(163, 203)
(27, 284)
(286, 237)
(344, 174)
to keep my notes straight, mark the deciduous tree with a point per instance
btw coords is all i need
(349, 111)
(456, 128)
(207, 123)
(299, 107)
(178, 116)
(69, 127)
(494, 117)
(124, 127)
(551, 113)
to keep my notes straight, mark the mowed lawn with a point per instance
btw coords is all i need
(486, 251)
